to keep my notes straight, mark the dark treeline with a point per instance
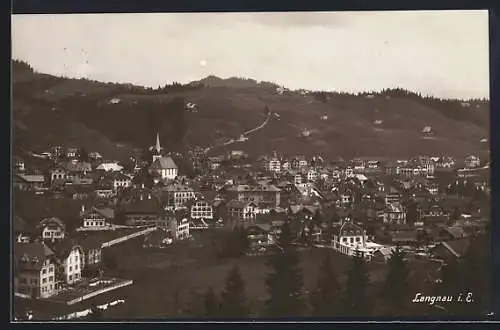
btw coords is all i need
(463, 110)
(359, 295)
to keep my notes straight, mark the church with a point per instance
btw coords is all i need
(164, 166)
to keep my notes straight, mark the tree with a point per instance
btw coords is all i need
(324, 299)
(355, 297)
(243, 241)
(396, 287)
(83, 155)
(233, 298)
(210, 304)
(285, 282)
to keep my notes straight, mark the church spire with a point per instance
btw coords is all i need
(158, 147)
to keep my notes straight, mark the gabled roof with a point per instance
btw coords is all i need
(163, 163)
(32, 178)
(457, 247)
(240, 204)
(62, 248)
(90, 242)
(77, 166)
(52, 222)
(32, 250)
(455, 231)
(106, 212)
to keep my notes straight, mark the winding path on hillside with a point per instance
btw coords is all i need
(244, 134)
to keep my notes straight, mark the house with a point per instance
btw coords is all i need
(78, 192)
(201, 209)
(34, 270)
(19, 164)
(72, 152)
(109, 167)
(394, 214)
(215, 162)
(348, 238)
(241, 210)
(92, 251)
(76, 168)
(312, 175)
(144, 212)
(29, 182)
(451, 250)
(95, 155)
(407, 236)
(21, 231)
(71, 260)
(52, 229)
(452, 233)
(472, 162)
(121, 181)
(97, 218)
(259, 235)
(273, 164)
(177, 223)
(177, 195)
(57, 174)
(382, 255)
(256, 193)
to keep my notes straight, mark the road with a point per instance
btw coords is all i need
(244, 134)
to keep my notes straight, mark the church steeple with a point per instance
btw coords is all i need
(157, 146)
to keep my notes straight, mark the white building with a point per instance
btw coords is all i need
(202, 210)
(109, 166)
(52, 229)
(164, 166)
(472, 162)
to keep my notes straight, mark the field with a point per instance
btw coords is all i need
(165, 281)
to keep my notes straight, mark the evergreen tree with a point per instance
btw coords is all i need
(233, 298)
(210, 304)
(324, 299)
(355, 296)
(476, 274)
(83, 155)
(243, 241)
(396, 287)
(285, 282)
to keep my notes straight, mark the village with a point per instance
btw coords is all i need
(428, 206)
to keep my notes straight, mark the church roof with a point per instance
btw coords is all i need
(163, 163)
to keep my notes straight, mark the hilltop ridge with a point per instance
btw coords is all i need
(55, 110)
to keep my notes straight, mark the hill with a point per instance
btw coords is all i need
(116, 118)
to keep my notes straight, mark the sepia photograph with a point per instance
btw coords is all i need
(250, 166)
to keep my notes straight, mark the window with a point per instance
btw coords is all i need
(51, 278)
(71, 278)
(70, 268)
(33, 281)
(51, 287)
(44, 271)
(76, 267)
(358, 239)
(351, 240)
(51, 269)
(44, 280)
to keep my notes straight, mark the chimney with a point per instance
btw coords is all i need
(83, 208)
(140, 197)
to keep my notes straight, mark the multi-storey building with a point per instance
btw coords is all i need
(34, 270)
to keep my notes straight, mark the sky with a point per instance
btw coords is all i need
(439, 53)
